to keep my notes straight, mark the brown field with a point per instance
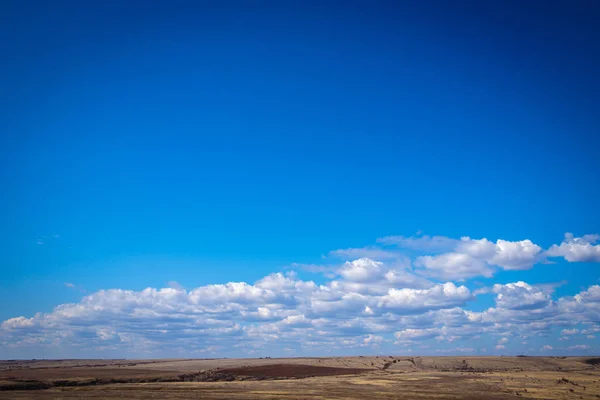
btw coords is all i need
(382, 377)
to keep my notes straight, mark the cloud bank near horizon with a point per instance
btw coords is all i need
(401, 295)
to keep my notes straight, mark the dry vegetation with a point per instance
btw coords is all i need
(380, 377)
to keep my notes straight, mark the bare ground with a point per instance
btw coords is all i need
(380, 377)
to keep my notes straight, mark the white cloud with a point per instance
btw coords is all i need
(362, 270)
(439, 296)
(458, 350)
(577, 249)
(411, 335)
(69, 285)
(478, 257)
(362, 303)
(282, 311)
(569, 331)
(373, 340)
(591, 329)
(18, 323)
(579, 347)
(453, 266)
(547, 347)
(586, 305)
(505, 254)
(516, 255)
(520, 296)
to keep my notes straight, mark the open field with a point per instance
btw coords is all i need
(382, 377)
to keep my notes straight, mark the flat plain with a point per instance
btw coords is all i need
(376, 377)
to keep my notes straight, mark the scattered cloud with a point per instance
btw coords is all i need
(362, 270)
(520, 296)
(577, 249)
(453, 266)
(456, 350)
(505, 254)
(386, 301)
(283, 311)
(412, 335)
(474, 257)
(569, 331)
(47, 239)
(579, 347)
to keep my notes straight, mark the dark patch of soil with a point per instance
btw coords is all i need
(592, 361)
(291, 371)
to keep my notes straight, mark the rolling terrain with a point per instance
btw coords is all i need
(385, 377)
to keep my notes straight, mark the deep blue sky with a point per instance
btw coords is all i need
(207, 142)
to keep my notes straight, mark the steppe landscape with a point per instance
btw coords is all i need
(381, 377)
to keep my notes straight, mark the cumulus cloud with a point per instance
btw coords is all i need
(520, 296)
(505, 254)
(480, 257)
(464, 258)
(281, 311)
(446, 258)
(439, 296)
(278, 307)
(362, 270)
(378, 298)
(454, 266)
(585, 304)
(18, 323)
(577, 249)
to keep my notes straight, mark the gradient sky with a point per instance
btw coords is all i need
(182, 145)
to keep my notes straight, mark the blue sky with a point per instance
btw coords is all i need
(190, 144)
